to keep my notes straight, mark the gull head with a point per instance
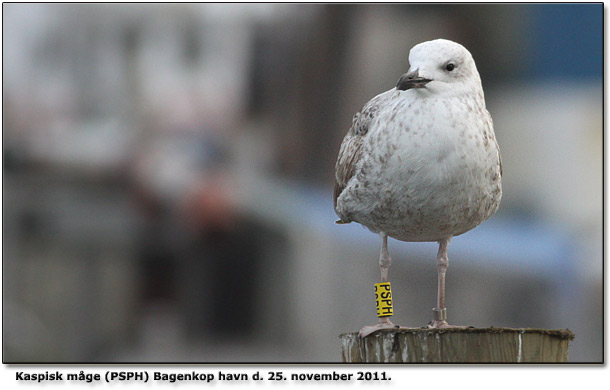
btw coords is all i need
(442, 68)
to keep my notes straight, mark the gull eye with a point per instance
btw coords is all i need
(449, 67)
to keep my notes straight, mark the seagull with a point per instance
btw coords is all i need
(421, 161)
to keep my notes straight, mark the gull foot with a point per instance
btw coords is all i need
(367, 330)
(435, 324)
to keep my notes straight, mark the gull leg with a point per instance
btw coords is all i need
(442, 263)
(440, 311)
(385, 261)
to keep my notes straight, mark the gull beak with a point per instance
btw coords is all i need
(411, 80)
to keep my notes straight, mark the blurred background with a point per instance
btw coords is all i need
(168, 173)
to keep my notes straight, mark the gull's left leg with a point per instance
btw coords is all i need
(442, 263)
(440, 311)
(385, 261)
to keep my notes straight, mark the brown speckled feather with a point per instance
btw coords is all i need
(351, 148)
(349, 155)
(499, 158)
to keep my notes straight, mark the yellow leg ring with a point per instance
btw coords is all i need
(383, 299)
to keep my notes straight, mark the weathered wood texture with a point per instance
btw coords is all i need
(469, 345)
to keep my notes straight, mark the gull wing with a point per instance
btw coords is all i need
(351, 147)
(349, 155)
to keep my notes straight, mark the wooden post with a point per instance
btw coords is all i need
(468, 345)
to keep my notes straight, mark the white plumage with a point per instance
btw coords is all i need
(421, 162)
